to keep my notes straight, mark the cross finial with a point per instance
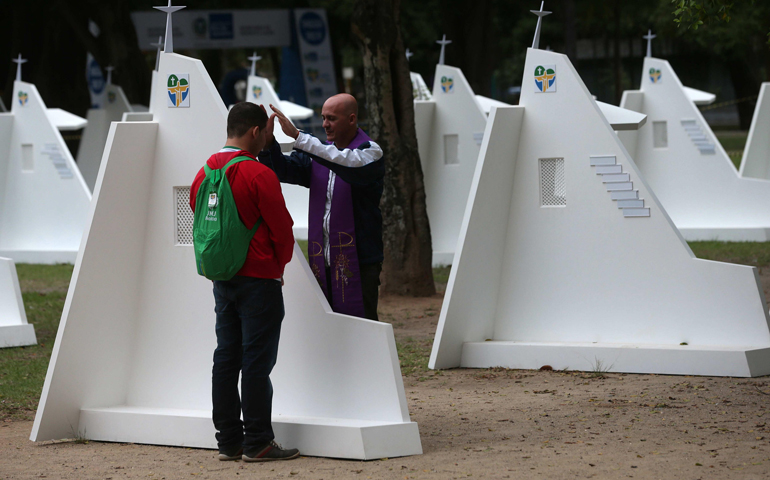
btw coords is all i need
(169, 46)
(158, 45)
(409, 54)
(109, 69)
(649, 38)
(18, 61)
(540, 14)
(443, 42)
(254, 59)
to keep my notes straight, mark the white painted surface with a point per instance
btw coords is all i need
(620, 118)
(693, 177)
(420, 90)
(699, 97)
(454, 111)
(14, 329)
(261, 92)
(132, 359)
(42, 210)
(64, 120)
(756, 154)
(487, 103)
(95, 134)
(534, 286)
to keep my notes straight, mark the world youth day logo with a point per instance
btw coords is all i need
(23, 97)
(545, 78)
(655, 75)
(257, 91)
(178, 90)
(447, 84)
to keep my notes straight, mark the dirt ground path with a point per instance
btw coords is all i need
(484, 424)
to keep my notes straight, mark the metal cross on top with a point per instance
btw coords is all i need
(649, 38)
(409, 54)
(540, 14)
(443, 42)
(254, 59)
(18, 61)
(158, 45)
(169, 47)
(109, 69)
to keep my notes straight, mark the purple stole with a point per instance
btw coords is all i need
(346, 295)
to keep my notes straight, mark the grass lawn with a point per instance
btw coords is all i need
(44, 288)
(23, 369)
(733, 142)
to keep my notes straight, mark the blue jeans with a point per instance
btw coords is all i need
(249, 314)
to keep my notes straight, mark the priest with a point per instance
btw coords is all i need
(345, 176)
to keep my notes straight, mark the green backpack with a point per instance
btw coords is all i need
(220, 239)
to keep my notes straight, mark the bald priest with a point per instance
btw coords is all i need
(345, 177)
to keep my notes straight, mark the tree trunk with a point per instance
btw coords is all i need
(390, 109)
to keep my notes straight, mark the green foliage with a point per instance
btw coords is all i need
(694, 13)
(745, 253)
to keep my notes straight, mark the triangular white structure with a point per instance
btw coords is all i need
(132, 359)
(682, 160)
(756, 154)
(43, 198)
(14, 329)
(95, 134)
(567, 258)
(420, 90)
(65, 121)
(261, 92)
(450, 127)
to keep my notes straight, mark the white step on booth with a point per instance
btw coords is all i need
(14, 329)
(133, 354)
(44, 200)
(567, 258)
(684, 163)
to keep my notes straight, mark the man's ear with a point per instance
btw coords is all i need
(255, 132)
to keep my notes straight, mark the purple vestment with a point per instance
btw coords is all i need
(346, 295)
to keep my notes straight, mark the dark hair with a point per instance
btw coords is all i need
(242, 117)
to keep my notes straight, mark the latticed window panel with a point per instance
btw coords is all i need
(553, 188)
(184, 216)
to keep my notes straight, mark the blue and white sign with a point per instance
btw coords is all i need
(316, 57)
(215, 29)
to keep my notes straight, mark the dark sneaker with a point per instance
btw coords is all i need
(268, 453)
(228, 454)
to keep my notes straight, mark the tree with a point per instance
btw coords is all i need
(408, 253)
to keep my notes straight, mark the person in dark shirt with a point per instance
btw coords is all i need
(345, 177)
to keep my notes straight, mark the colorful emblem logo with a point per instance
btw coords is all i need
(178, 90)
(655, 75)
(545, 78)
(447, 84)
(256, 91)
(23, 97)
(111, 97)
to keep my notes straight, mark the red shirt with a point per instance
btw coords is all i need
(257, 193)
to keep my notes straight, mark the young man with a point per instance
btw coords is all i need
(249, 307)
(345, 178)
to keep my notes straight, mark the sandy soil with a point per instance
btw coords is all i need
(486, 423)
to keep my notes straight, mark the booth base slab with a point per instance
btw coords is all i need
(313, 436)
(616, 357)
(17, 336)
(48, 257)
(758, 234)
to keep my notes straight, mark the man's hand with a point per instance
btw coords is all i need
(286, 125)
(269, 137)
